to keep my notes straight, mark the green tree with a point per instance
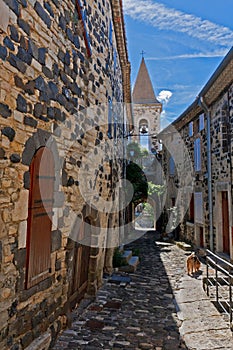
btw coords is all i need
(136, 176)
(138, 151)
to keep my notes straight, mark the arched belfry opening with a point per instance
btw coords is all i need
(143, 131)
(146, 109)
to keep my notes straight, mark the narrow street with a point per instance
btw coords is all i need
(160, 308)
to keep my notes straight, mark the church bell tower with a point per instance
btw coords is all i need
(146, 110)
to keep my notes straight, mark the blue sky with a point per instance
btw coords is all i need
(184, 42)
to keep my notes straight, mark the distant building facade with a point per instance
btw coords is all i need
(63, 67)
(206, 132)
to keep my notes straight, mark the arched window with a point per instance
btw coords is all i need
(144, 134)
(39, 222)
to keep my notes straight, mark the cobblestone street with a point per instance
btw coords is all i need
(160, 308)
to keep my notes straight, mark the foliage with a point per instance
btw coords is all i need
(144, 152)
(149, 209)
(139, 151)
(136, 252)
(158, 189)
(117, 258)
(136, 176)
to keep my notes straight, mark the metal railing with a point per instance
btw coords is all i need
(219, 282)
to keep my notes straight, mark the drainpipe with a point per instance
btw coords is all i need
(203, 105)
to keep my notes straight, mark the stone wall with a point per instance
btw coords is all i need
(221, 136)
(54, 92)
(195, 218)
(150, 113)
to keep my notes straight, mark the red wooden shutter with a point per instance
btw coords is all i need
(40, 216)
(191, 209)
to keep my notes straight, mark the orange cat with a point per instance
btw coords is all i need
(193, 264)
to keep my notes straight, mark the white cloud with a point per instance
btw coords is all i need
(164, 96)
(166, 18)
(219, 53)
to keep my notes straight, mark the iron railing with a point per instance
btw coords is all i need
(219, 283)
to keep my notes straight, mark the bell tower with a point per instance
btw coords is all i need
(146, 110)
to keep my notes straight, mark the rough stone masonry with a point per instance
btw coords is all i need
(60, 70)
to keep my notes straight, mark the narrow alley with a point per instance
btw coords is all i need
(157, 307)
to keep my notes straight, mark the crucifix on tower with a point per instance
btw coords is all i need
(142, 53)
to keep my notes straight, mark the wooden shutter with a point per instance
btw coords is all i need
(201, 121)
(82, 17)
(198, 207)
(191, 129)
(110, 33)
(191, 209)
(40, 216)
(197, 154)
(81, 255)
(171, 166)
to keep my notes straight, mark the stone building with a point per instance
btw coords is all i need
(199, 183)
(64, 76)
(146, 110)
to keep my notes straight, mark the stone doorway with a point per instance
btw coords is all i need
(80, 267)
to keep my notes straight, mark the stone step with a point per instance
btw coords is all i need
(126, 256)
(184, 246)
(121, 248)
(132, 265)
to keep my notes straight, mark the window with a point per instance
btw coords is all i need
(191, 129)
(39, 222)
(197, 154)
(171, 166)
(201, 122)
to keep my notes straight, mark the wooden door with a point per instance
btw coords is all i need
(80, 268)
(40, 217)
(225, 223)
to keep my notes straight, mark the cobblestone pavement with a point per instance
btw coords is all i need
(161, 308)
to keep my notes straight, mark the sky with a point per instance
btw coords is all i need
(184, 42)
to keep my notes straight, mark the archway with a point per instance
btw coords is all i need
(145, 215)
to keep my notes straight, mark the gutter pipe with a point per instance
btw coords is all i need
(204, 106)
